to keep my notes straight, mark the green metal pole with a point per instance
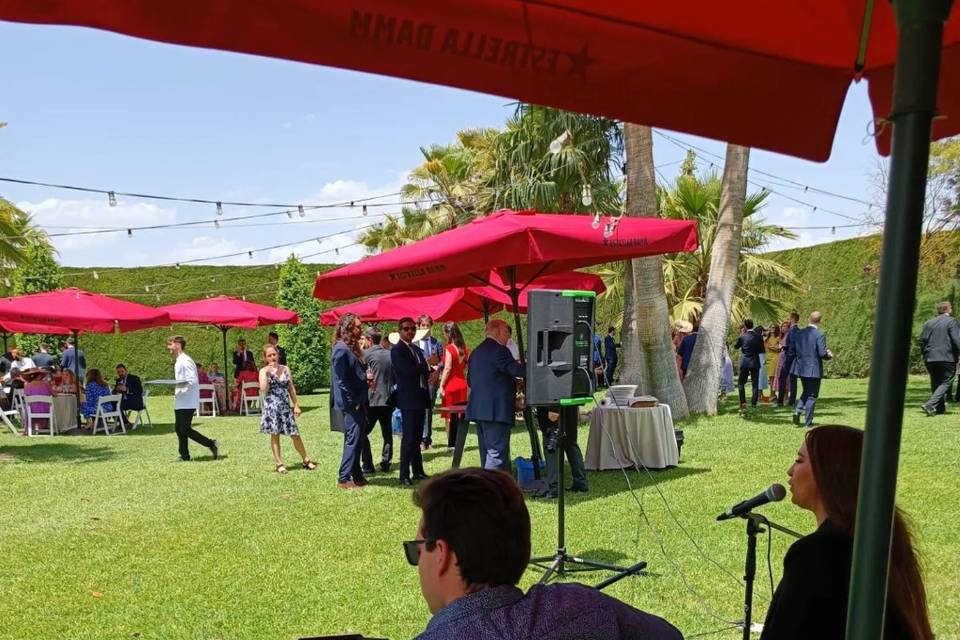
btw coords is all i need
(920, 25)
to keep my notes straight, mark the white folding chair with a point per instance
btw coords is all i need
(250, 404)
(105, 416)
(210, 402)
(6, 414)
(17, 401)
(137, 421)
(35, 413)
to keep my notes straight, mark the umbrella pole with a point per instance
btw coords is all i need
(486, 319)
(223, 330)
(76, 372)
(527, 413)
(920, 27)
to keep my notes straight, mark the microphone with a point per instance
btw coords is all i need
(773, 493)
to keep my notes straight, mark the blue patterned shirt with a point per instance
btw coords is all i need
(552, 612)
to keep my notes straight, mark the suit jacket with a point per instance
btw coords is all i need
(811, 599)
(44, 361)
(791, 343)
(69, 360)
(610, 349)
(940, 339)
(239, 359)
(349, 378)
(491, 375)
(410, 370)
(133, 397)
(751, 346)
(378, 361)
(685, 349)
(811, 348)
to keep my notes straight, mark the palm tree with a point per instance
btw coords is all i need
(17, 234)
(762, 283)
(394, 231)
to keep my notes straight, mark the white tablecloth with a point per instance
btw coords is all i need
(65, 409)
(626, 437)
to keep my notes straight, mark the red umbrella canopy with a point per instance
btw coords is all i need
(497, 290)
(25, 327)
(78, 310)
(775, 74)
(458, 304)
(225, 311)
(529, 244)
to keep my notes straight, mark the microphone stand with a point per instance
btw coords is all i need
(755, 524)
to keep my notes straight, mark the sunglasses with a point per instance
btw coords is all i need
(411, 548)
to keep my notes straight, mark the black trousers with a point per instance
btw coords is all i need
(941, 377)
(183, 421)
(355, 423)
(452, 426)
(787, 380)
(569, 447)
(410, 456)
(382, 415)
(754, 375)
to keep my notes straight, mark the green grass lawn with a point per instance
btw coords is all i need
(108, 537)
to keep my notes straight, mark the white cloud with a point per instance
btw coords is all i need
(309, 117)
(287, 125)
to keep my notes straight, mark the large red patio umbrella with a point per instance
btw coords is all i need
(224, 312)
(75, 311)
(7, 328)
(772, 75)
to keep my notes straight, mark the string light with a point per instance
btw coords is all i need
(216, 224)
(219, 208)
(290, 214)
(146, 288)
(300, 210)
(6, 282)
(96, 276)
(112, 199)
(557, 145)
(596, 221)
(129, 233)
(586, 197)
(250, 254)
(364, 209)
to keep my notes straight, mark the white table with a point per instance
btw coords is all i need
(624, 437)
(65, 410)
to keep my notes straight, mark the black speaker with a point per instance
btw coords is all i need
(559, 347)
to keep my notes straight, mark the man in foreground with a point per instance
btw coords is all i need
(491, 373)
(940, 346)
(472, 547)
(186, 398)
(811, 351)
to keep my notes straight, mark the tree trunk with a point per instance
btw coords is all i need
(648, 356)
(702, 382)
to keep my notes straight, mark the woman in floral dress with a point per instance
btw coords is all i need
(277, 417)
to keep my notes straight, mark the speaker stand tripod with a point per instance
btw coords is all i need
(561, 563)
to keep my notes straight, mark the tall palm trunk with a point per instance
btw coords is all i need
(648, 356)
(703, 375)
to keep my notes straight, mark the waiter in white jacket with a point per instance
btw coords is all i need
(186, 399)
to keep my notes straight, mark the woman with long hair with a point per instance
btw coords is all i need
(772, 345)
(95, 388)
(811, 600)
(453, 380)
(349, 378)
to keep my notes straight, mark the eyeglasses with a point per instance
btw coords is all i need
(412, 550)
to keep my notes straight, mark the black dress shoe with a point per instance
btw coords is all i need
(796, 418)
(371, 470)
(385, 467)
(578, 488)
(405, 482)
(420, 476)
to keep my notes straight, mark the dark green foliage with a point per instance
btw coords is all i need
(842, 283)
(306, 343)
(38, 273)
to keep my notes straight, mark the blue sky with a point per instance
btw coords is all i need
(95, 109)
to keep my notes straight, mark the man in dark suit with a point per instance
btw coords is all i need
(378, 363)
(685, 349)
(414, 377)
(43, 359)
(750, 344)
(129, 386)
(811, 351)
(609, 355)
(788, 381)
(241, 355)
(492, 374)
(940, 345)
(71, 357)
(274, 339)
(350, 398)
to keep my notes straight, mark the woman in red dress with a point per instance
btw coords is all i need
(453, 380)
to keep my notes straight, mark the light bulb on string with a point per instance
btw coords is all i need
(96, 276)
(177, 265)
(216, 224)
(596, 221)
(364, 209)
(158, 297)
(112, 199)
(586, 195)
(219, 208)
(146, 288)
(250, 254)
(290, 214)
(319, 242)
(300, 210)
(336, 250)
(129, 233)
(557, 145)
(833, 230)
(6, 282)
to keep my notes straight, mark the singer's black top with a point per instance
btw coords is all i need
(811, 600)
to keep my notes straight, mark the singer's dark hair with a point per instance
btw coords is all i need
(482, 516)
(834, 454)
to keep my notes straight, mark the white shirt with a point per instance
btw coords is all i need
(186, 393)
(19, 365)
(514, 349)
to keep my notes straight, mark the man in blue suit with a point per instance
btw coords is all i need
(788, 381)
(492, 374)
(751, 346)
(811, 350)
(349, 386)
(414, 376)
(610, 355)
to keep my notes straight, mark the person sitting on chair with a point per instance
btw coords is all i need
(129, 386)
(471, 548)
(247, 374)
(93, 390)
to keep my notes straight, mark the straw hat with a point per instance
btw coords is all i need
(682, 326)
(32, 372)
